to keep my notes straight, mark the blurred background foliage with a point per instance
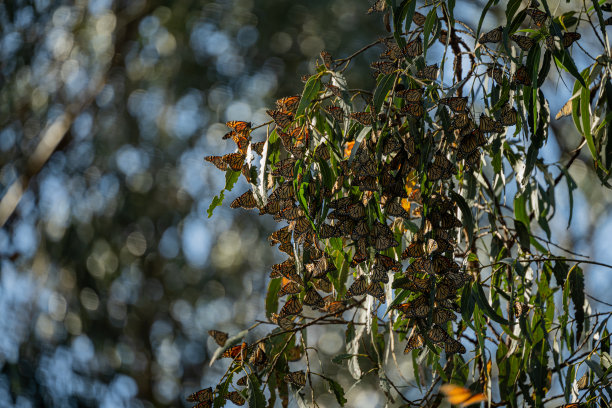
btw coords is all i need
(111, 274)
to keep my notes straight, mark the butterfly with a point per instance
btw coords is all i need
(235, 397)
(413, 283)
(219, 337)
(429, 72)
(284, 168)
(445, 291)
(420, 265)
(414, 342)
(283, 191)
(470, 142)
(569, 39)
(413, 109)
(217, 161)
(490, 125)
(288, 103)
(419, 19)
(365, 118)
(205, 395)
(493, 36)
(312, 298)
(379, 275)
(336, 112)
(583, 382)
(459, 121)
(358, 287)
(286, 270)
(520, 309)
(458, 395)
(521, 77)
(300, 226)
(292, 307)
(442, 168)
(283, 322)
(334, 90)
(327, 59)
(496, 72)
(294, 353)
(320, 267)
(239, 126)
(297, 378)
(441, 316)
(334, 307)
(442, 264)
(289, 288)
(259, 357)
(238, 353)
(282, 118)
(508, 115)
(384, 67)
(246, 201)
(414, 48)
(395, 209)
(242, 381)
(452, 346)
(234, 160)
(392, 50)
(525, 42)
(329, 231)
(374, 289)
(323, 284)
(456, 279)
(419, 307)
(456, 103)
(258, 147)
(391, 145)
(281, 235)
(387, 263)
(437, 334)
(539, 17)
(418, 249)
(411, 95)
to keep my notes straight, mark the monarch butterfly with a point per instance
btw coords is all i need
(445, 291)
(217, 161)
(437, 334)
(286, 248)
(258, 147)
(358, 287)
(442, 168)
(379, 275)
(283, 322)
(205, 395)
(458, 395)
(334, 307)
(521, 76)
(456, 279)
(452, 346)
(246, 201)
(355, 211)
(284, 168)
(384, 67)
(416, 249)
(374, 289)
(288, 103)
(274, 206)
(508, 115)
(323, 284)
(496, 72)
(520, 309)
(234, 160)
(259, 357)
(429, 72)
(525, 42)
(419, 19)
(334, 90)
(242, 381)
(292, 307)
(459, 121)
(238, 353)
(366, 183)
(301, 136)
(219, 337)
(493, 36)
(300, 226)
(441, 316)
(419, 307)
(229, 134)
(282, 192)
(361, 230)
(282, 118)
(320, 267)
(539, 17)
(413, 283)
(365, 118)
(239, 126)
(286, 268)
(329, 231)
(583, 382)
(420, 265)
(395, 209)
(289, 288)
(456, 103)
(235, 397)
(442, 264)
(387, 263)
(414, 109)
(281, 235)
(414, 48)
(414, 342)
(297, 378)
(490, 125)
(312, 298)
(392, 50)
(327, 59)
(472, 161)
(336, 112)
(411, 95)
(569, 39)
(470, 142)
(391, 145)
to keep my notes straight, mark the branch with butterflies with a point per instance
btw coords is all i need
(395, 223)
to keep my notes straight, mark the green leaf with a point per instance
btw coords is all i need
(338, 391)
(256, 397)
(430, 22)
(585, 116)
(271, 297)
(483, 303)
(520, 209)
(575, 280)
(466, 214)
(384, 86)
(523, 235)
(311, 90)
(341, 357)
(230, 179)
(563, 59)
